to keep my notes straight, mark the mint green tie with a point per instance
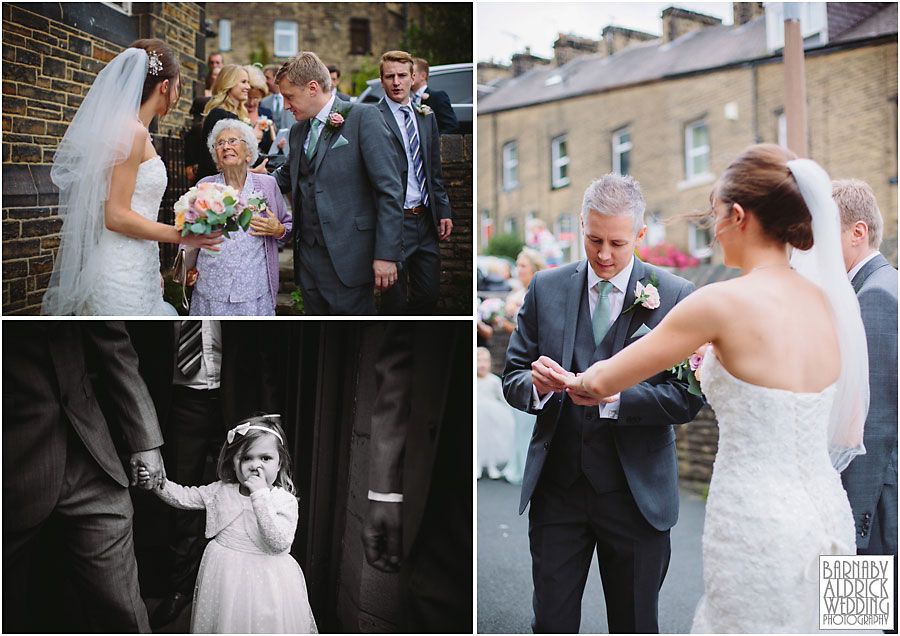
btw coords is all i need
(313, 138)
(600, 321)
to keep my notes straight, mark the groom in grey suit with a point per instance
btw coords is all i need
(599, 476)
(871, 479)
(344, 179)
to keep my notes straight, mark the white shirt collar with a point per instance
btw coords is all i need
(395, 106)
(619, 281)
(855, 269)
(322, 115)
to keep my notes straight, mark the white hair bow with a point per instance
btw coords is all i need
(241, 429)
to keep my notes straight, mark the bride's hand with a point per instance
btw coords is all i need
(205, 241)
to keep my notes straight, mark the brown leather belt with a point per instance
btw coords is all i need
(416, 210)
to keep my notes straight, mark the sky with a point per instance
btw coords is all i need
(505, 28)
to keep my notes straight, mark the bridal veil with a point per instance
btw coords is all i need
(100, 136)
(823, 264)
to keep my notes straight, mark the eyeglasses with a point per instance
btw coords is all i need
(228, 142)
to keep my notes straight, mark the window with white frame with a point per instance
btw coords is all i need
(565, 236)
(286, 43)
(656, 230)
(782, 130)
(510, 165)
(699, 239)
(621, 151)
(224, 35)
(124, 7)
(511, 225)
(696, 150)
(559, 162)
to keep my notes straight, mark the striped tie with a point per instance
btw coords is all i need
(414, 151)
(190, 347)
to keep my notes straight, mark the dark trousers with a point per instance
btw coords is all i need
(195, 432)
(421, 265)
(566, 524)
(323, 292)
(94, 515)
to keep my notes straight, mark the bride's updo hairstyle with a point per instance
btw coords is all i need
(163, 62)
(760, 181)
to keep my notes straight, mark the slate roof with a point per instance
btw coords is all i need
(699, 50)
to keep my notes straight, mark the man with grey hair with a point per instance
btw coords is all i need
(871, 479)
(344, 179)
(600, 476)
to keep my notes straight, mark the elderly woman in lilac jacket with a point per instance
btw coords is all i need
(242, 278)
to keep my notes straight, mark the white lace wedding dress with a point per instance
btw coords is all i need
(775, 504)
(129, 282)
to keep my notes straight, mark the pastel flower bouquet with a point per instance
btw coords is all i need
(212, 207)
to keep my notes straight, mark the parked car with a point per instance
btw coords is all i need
(454, 79)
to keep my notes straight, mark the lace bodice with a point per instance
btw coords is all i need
(129, 282)
(775, 503)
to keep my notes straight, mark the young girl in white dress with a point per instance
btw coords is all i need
(248, 581)
(495, 420)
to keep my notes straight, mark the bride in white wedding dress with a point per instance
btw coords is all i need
(786, 376)
(111, 183)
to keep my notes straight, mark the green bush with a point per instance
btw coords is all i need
(508, 245)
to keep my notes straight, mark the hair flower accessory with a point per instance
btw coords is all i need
(155, 64)
(241, 429)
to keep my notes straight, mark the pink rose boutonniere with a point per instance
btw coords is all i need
(334, 121)
(689, 369)
(646, 294)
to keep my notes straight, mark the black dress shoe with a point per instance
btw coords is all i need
(169, 609)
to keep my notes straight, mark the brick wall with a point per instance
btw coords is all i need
(51, 54)
(457, 252)
(852, 113)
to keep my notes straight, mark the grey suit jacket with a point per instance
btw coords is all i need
(864, 478)
(430, 148)
(281, 117)
(47, 392)
(357, 189)
(644, 435)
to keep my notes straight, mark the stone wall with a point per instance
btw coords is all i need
(457, 252)
(51, 54)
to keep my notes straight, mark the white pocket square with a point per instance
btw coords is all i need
(341, 141)
(641, 331)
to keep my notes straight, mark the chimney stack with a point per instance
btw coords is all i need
(568, 47)
(524, 62)
(677, 22)
(617, 38)
(744, 12)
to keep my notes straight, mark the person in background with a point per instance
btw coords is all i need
(282, 117)
(528, 262)
(259, 89)
(871, 479)
(214, 64)
(438, 101)
(335, 73)
(495, 420)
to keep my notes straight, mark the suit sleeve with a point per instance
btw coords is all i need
(283, 173)
(130, 404)
(439, 199)
(521, 352)
(390, 414)
(660, 399)
(383, 170)
(439, 102)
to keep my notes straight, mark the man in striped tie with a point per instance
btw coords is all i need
(426, 207)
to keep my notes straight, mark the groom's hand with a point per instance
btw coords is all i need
(385, 274)
(547, 376)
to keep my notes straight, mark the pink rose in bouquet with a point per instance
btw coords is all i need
(211, 207)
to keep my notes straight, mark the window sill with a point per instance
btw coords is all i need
(559, 186)
(697, 180)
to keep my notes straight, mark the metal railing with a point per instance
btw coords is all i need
(171, 150)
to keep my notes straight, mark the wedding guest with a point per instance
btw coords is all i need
(419, 519)
(214, 64)
(258, 90)
(195, 371)
(438, 101)
(60, 460)
(242, 279)
(282, 117)
(871, 479)
(230, 92)
(335, 73)
(495, 420)
(248, 581)
(427, 217)
(528, 262)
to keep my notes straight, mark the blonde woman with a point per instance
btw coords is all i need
(230, 92)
